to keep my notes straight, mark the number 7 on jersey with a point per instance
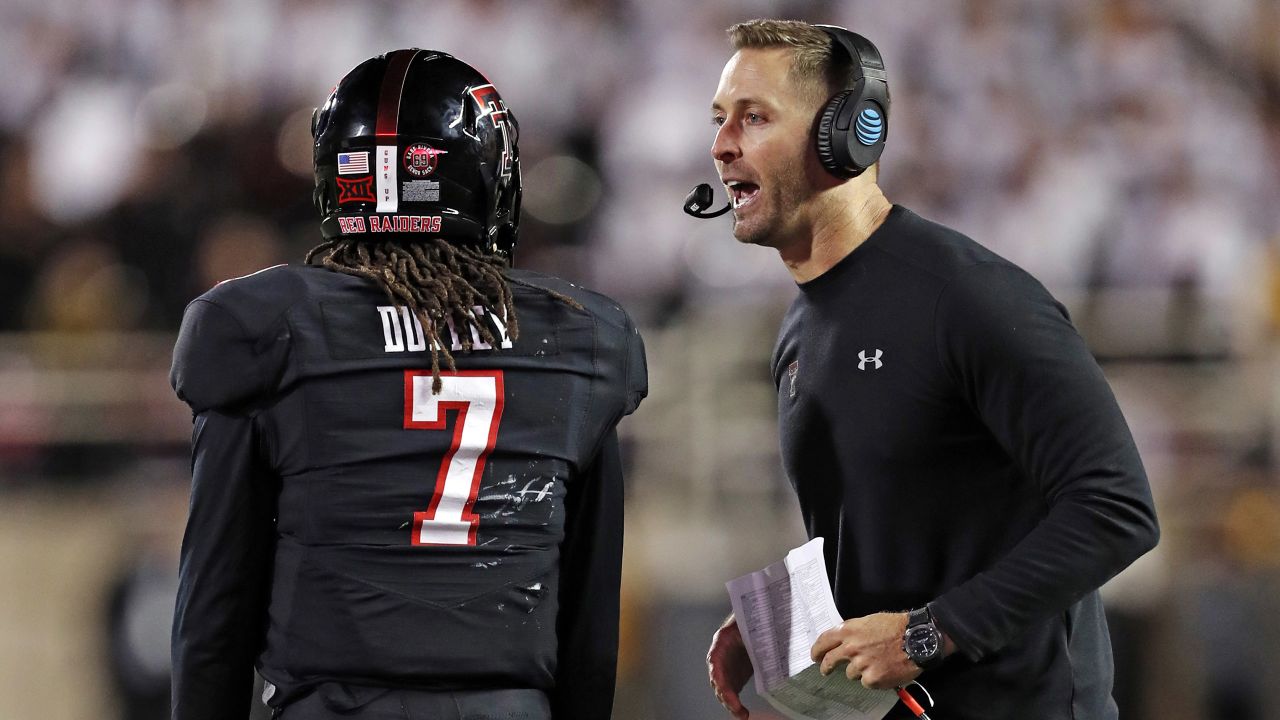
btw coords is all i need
(477, 396)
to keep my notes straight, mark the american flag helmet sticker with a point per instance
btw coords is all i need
(354, 163)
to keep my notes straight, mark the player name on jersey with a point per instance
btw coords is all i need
(402, 330)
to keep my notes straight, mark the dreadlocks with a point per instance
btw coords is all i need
(438, 281)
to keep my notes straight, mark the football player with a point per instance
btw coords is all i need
(406, 486)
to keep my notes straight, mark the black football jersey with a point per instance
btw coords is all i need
(350, 524)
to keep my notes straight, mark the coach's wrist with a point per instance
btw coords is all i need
(948, 645)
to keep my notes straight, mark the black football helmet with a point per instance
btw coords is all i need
(416, 143)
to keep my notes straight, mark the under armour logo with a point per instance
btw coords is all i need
(863, 359)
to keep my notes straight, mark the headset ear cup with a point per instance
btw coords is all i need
(870, 127)
(826, 130)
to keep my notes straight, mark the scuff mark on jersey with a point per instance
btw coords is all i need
(534, 592)
(536, 490)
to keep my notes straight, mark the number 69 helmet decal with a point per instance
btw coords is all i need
(416, 143)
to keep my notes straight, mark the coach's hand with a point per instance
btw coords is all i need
(729, 667)
(872, 647)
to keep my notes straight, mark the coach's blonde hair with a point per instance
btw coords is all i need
(812, 61)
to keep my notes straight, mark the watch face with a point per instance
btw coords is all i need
(922, 642)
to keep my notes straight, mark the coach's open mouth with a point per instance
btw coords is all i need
(741, 193)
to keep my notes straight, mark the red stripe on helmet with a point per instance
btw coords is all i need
(392, 88)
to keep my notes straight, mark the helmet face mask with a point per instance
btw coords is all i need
(417, 144)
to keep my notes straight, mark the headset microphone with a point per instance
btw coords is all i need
(699, 199)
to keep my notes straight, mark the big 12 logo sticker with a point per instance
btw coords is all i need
(492, 107)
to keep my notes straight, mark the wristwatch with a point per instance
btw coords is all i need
(922, 640)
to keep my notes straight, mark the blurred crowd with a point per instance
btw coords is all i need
(150, 148)
(1114, 148)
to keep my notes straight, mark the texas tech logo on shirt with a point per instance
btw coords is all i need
(402, 330)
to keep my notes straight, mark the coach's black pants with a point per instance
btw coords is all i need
(330, 702)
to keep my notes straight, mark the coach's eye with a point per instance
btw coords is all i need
(717, 120)
(754, 118)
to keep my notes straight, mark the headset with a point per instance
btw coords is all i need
(854, 123)
(851, 128)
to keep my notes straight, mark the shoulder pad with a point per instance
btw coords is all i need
(234, 342)
(620, 341)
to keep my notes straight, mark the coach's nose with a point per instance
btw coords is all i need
(725, 148)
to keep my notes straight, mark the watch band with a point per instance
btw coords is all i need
(920, 616)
